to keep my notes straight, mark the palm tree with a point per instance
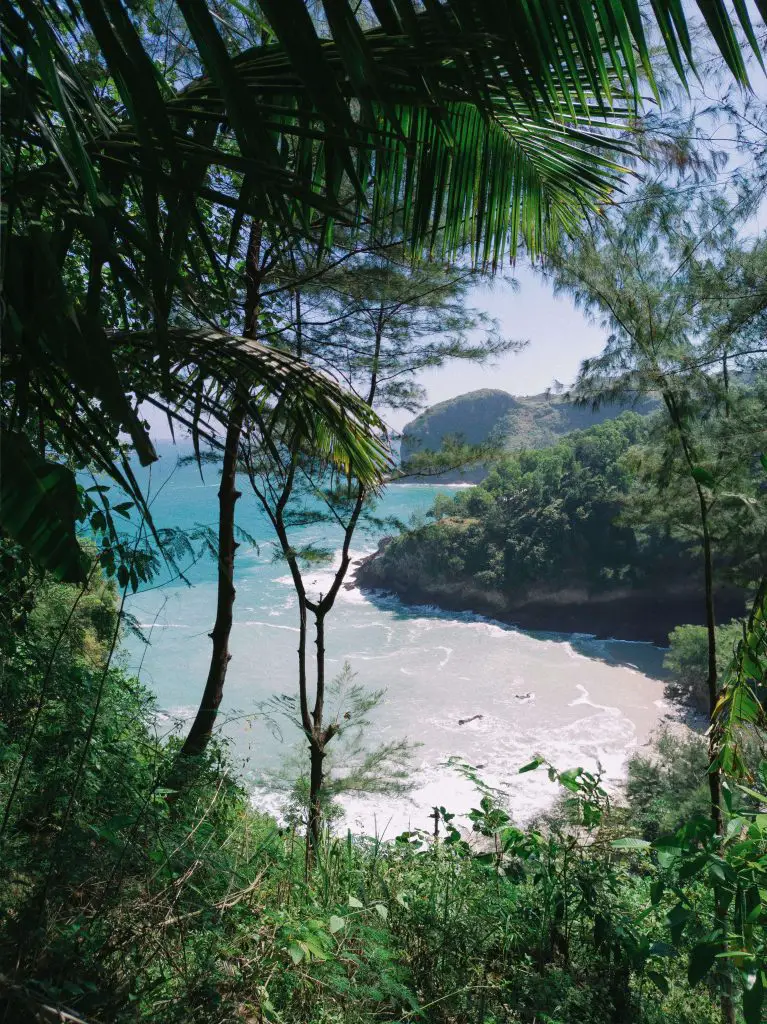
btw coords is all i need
(470, 124)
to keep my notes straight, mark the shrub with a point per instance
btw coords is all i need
(687, 660)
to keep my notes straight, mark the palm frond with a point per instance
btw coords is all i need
(469, 122)
(210, 367)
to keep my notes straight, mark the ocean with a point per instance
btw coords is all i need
(573, 699)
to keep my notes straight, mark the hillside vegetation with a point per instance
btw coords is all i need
(510, 422)
(548, 540)
(125, 901)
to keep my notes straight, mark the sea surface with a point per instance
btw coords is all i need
(572, 699)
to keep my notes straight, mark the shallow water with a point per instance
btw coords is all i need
(571, 699)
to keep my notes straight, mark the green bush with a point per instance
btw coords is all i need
(667, 786)
(687, 660)
(124, 902)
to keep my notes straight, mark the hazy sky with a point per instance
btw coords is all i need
(559, 338)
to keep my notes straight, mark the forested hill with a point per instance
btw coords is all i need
(549, 541)
(513, 422)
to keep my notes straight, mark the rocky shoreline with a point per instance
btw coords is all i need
(615, 615)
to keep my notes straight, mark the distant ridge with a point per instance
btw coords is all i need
(528, 421)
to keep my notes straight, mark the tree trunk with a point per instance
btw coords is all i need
(715, 777)
(202, 727)
(319, 738)
(715, 784)
(316, 778)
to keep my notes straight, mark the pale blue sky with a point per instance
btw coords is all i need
(558, 334)
(559, 338)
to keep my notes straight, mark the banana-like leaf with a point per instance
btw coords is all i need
(39, 506)
(739, 704)
(210, 367)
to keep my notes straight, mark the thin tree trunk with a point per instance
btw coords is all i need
(714, 778)
(727, 1002)
(316, 778)
(320, 736)
(202, 727)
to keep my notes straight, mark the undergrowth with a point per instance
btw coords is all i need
(123, 901)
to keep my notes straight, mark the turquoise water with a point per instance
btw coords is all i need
(571, 698)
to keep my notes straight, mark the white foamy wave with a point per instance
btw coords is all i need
(586, 699)
(268, 625)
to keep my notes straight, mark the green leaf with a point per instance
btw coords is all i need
(531, 765)
(382, 911)
(667, 850)
(703, 476)
(630, 843)
(677, 918)
(296, 953)
(336, 924)
(753, 999)
(39, 506)
(753, 793)
(659, 980)
(314, 948)
(569, 779)
(701, 960)
(354, 902)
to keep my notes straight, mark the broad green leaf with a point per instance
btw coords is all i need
(753, 999)
(336, 924)
(659, 980)
(296, 953)
(569, 779)
(677, 918)
(703, 476)
(354, 902)
(39, 507)
(701, 960)
(630, 843)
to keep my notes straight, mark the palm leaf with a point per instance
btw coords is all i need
(467, 122)
(209, 367)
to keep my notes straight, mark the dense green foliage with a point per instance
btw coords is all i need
(686, 660)
(495, 417)
(122, 905)
(541, 519)
(165, 158)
